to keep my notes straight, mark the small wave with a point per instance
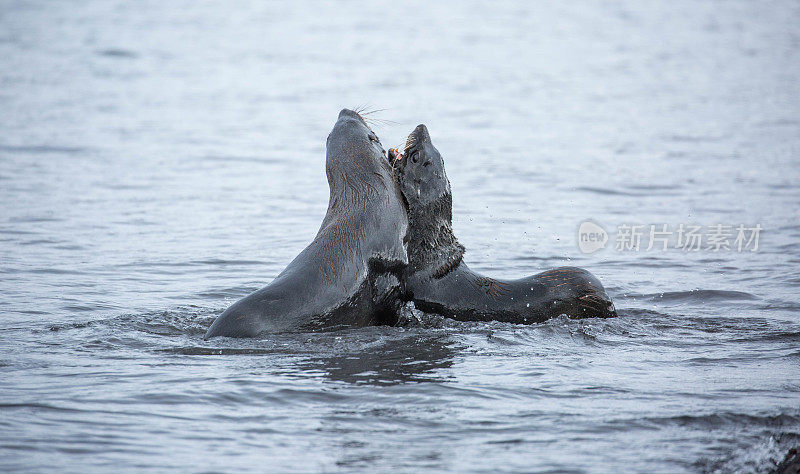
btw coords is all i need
(642, 313)
(37, 149)
(538, 258)
(781, 305)
(17, 232)
(654, 187)
(217, 261)
(608, 192)
(713, 421)
(35, 219)
(772, 336)
(44, 271)
(191, 321)
(213, 351)
(79, 325)
(245, 159)
(187, 321)
(696, 138)
(188, 263)
(761, 456)
(778, 123)
(118, 53)
(660, 263)
(81, 308)
(701, 296)
(215, 294)
(746, 358)
(35, 407)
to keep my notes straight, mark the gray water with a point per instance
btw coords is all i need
(160, 160)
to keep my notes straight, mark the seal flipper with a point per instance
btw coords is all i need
(385, 272)
(386, 298)
(236, 321)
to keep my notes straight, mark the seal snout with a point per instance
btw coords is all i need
(350, 126)
(420, 134)
(418, 137)
(349, 113)
(350, 116)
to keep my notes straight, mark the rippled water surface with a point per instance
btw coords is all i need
(159, 160)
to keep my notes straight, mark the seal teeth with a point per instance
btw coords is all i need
(395, 158)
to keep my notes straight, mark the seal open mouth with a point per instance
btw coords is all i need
(396, 159)
(398, 165)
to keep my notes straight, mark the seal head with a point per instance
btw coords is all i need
(424, 179)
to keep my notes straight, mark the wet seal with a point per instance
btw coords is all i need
(349, 276)
(438, 281)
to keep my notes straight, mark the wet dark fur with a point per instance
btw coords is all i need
(431, 240)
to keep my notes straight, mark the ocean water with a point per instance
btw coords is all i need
(160, 160)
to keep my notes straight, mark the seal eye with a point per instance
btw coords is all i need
(372, 137)
(415, 157)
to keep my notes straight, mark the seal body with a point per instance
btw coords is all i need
(438, 281)
(465, 295)
(349, 276)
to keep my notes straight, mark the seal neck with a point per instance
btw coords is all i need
(432, 245)
(355, 176)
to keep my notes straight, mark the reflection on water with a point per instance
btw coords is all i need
(416, 358)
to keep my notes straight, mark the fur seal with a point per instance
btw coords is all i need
(438, 281)
(349, 275)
